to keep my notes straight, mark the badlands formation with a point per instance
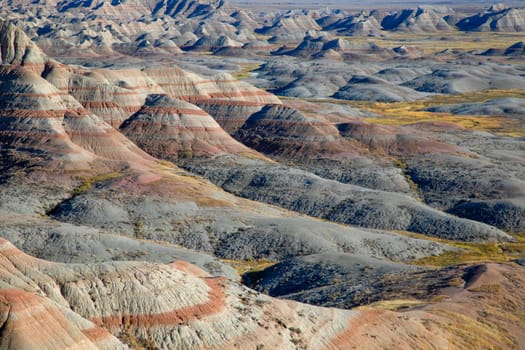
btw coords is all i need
(195, 175)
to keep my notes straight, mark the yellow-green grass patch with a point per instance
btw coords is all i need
(250, 265)
(469, 252)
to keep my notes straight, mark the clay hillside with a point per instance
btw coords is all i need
(200, 175)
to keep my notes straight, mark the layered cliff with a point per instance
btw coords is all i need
(180, 306)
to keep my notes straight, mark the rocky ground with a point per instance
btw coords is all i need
(158, 154)
(120, 304)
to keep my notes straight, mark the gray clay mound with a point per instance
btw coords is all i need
(63, 242)
(514, 107)
(463, 79)
(359, 25)
(363, 88)
(498, 18)
(306, 193)
(472, 188)
(348, 280)
(401, 74)
(507, 214)
(517, 49)
(313, 271)
(229, 234)
(427, 19)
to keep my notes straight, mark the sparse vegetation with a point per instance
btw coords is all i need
(401, 164)
(344, 162)
(432, 42)
(406, 113)
(212, 202)
(295, 330)
(473, 252)
(245, 70)
(129, 337)
(89, 182)
(138, 229)
(165, 163)
(251, 265)
(474, 334)
(487, 288)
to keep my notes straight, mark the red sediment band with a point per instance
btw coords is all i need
(31, 94)
(20, 301)
(96, 333)
(72, 90)
(12, 296)
(11, 252)
(185, 266)
(108, 105)
(294, 123)
(200, 99)
(216, 302)
(30, 113)
(219, 94)
(208, 101)
(174, 110)
(32, 134)
(167, 129)
(200, 82)
(106, 133)
(349, 337)
(239, 94)
(124, 93)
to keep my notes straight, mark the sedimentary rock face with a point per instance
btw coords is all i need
(144, 174)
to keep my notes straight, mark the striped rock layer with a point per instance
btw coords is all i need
(172, 129)
(17, 48)
(62, 160)
(133, 9)
(35, 114)
(116, 96)
(284, 131)
(67, 103)
(54, 114)
(45, 114)
(48, 305)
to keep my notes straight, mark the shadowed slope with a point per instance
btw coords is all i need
(424, 19)
(182, 307)
(498, 18)
(17, 48)
(133, 9)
